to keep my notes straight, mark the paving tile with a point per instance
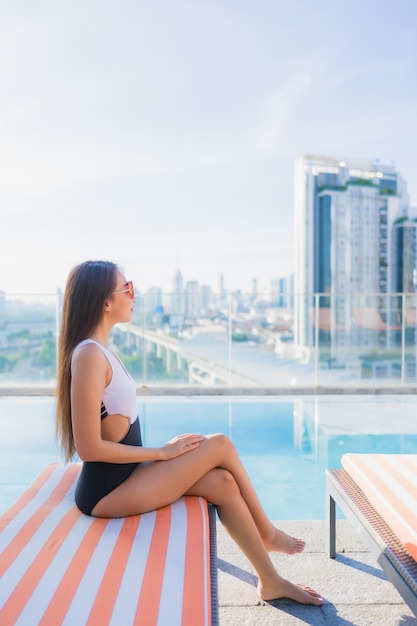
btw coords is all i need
(368, 615)
(354, 587)
(267, 615)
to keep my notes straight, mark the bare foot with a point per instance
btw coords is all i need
(281, 542)
(286, 589)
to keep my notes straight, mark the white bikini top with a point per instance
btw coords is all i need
(120, 394)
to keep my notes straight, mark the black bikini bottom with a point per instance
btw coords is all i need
(98, 479)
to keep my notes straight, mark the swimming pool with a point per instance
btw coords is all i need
(285, 443)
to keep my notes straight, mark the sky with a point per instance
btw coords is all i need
(162, 133)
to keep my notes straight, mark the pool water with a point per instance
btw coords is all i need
(285, 443)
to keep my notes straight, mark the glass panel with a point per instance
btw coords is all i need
(150, 345)
(409, 338)
(28, 334)
(238, 340)
(282, 354)
(376, 339)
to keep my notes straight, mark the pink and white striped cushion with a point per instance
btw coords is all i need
(58, 566)
(389, 481)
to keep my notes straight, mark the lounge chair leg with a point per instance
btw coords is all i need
(331, 526)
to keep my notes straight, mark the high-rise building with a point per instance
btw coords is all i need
(206, 299)
(153, 299)
(282, 290)
(192, 299)
(221, 296)
(404, 256)
(343, 211)
(177, 307)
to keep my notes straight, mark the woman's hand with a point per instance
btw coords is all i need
(180, 445)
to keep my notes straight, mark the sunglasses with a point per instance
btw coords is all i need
(129, 289)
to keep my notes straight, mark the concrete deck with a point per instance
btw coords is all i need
(355, 588)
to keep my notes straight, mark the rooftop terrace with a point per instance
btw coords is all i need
(354, 587)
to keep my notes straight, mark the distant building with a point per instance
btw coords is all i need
(343, 213)
(192, 299)
(404, 256)
(404, 276)
(221, 296)
(153, 299)
(282, 290)
(177, 306)
(206, 298)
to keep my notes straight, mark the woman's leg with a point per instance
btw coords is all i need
(214, 471)
(159, 483)
(273, 538)
(219, 487)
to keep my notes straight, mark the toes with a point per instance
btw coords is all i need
(311, 592)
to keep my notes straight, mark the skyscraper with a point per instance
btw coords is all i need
(192, 299)
(404, 256)
(177, 307)
(343, 211)
(153, 299)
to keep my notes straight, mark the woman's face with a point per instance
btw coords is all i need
(122, 299)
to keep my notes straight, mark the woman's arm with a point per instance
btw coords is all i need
(91, 373)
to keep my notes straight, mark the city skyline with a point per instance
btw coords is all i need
(162, 135)
(219, 286)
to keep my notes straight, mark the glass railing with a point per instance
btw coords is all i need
(29, 327)
(230, 340)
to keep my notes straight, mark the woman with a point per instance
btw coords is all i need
(96, 417)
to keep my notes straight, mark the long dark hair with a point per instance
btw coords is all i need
(88, 287)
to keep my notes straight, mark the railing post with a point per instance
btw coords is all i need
(57, 310)
(229, 359)
(402, 338)
(144, 376)
(316, 340)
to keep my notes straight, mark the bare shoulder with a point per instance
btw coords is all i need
(89, 355)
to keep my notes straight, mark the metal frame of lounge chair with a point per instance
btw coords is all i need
(212, 518)
(398, 565)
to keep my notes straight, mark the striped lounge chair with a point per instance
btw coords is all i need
(378, 495)
(58, 566)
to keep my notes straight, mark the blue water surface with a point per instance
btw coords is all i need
(285, 443)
